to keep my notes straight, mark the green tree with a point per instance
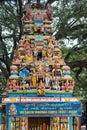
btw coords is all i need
(71, 24)
(10, 33)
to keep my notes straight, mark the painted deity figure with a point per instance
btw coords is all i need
(38, 20)
(67, 85)
(20, 43)
(63, 85)
(14, 72)
(57, 70)
(35, 52)
(24, 72)
(41, 88)
(55, 84)
(63, 127)
(26, 45)
(49, 55)
(28, 12)
(47, 79)
(40, 67)
(23, 85)
(54, 126)
(23, 124)
(28, 57)
(17, 86)
(49, 11)
(13, 109)
(38, 16)
(14, 84)
(50, 43)
(16, 59)
(66, 71)
(71, 85)
(34, 80)
(40, 71)
(43, 52)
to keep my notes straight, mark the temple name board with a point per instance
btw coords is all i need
(44, 109)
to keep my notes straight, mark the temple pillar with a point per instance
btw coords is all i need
(0, 120)
(71, 123)
(9, 122)
(79, 123)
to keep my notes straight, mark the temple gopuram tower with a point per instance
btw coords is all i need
(40, 86)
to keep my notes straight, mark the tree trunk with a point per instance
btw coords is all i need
(20, 16)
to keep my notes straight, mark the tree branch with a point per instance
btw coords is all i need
(6, 60)
(78, 63)
(4, 71)
(74, 49)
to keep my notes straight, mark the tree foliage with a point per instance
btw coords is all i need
(71, 24)
(10, 31)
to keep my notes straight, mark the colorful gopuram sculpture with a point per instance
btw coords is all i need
(38, 72)
(39, 58)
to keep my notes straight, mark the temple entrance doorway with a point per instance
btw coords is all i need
(39, 123)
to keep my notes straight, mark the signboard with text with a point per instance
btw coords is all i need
(44, 109)
(37, 99)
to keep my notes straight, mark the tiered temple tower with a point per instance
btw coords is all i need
(40, 85)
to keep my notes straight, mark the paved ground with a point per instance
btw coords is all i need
(83, 128)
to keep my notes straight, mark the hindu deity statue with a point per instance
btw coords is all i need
(57, 70)
(13, 109)
(50, 43)
(34, 80)
(14, 84)
(71, 85)
(63, 127)
(24, 72)
(41, 88)
(28, 12)
(63, 85)
(49, 54)
(44, 52)
(40, 71)
(66, 72)
(56, 84)
(40, 67)
(23, 85)
(17, 58)
(14, 72)
(21, 44)
(49, 11)
(23, 124)
(28, 56)
(26, 44)
(55, 127)
(38, 19)
(35, 52)
(47, 79)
